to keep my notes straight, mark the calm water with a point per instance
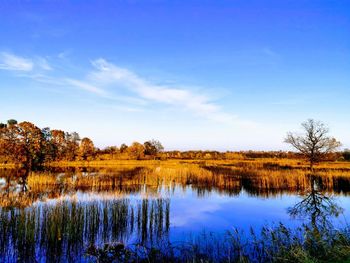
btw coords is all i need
(54, 216)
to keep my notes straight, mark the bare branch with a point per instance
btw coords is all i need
(314, 143)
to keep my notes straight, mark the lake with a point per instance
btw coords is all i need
(57, 214)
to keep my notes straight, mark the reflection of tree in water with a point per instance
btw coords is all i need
(14, 190)
(316, 206)
(14, 180)
(61, 232)
(319, 209)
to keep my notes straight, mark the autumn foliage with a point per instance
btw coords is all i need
(26, 144)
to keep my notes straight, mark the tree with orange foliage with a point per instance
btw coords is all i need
(58, 144)
(72, 145)
(136, 151)
(153, 147)
(86, 149)
(22, 143)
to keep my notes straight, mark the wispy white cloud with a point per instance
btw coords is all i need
(64, 54)
(10, 61)
(42, 63)
(84, 86)
(110, 75)
(106, 78)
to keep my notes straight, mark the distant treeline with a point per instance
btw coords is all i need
(26, 144)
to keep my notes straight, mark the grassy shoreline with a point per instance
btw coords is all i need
(283, 163)
(257, 164)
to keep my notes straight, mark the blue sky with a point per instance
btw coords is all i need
(224, 75)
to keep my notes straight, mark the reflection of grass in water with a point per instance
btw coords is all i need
(273, 244)
(63, 230)
(255, 177)
(188, 174)
(66, 231)
(217, 177)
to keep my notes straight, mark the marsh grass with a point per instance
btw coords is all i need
(272, 244)
(257, 178)
(41, 218)
(116, 230)
(61, 232)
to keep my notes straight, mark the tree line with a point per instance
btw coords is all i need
(25, 143)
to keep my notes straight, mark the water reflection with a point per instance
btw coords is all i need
(61, 232)
(20, 188)
(316, 206)
(54, 216)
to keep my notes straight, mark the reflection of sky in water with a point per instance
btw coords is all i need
(2, 181)
(218, 213)
(113, 216)
(215, 212)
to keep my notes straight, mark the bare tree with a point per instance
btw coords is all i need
(314, 143)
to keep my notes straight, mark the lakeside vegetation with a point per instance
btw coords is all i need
(97, 228)
(44, 172)
(257, 179)
(79, 226)
(32, 227)
(272, 244)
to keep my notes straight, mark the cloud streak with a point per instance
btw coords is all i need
(107, 79)
(110, 75)
(12, 62)
(9, 61)
(84, 86)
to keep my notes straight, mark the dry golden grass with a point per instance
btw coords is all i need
(210, 175)
(9, 200)
(261, 177)
(252, 163)
(104, 163)
(8, 165)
